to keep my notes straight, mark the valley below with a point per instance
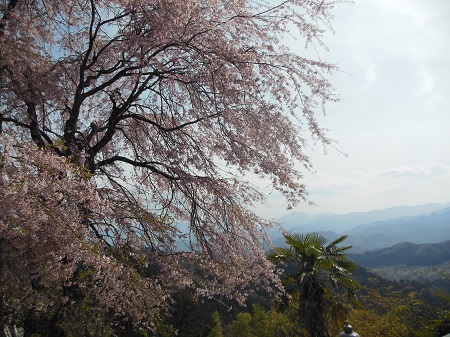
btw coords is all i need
(423, 274)
(401, 243)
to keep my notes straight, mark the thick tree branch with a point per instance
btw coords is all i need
(159, 126)
(36, 133)
(144, 164)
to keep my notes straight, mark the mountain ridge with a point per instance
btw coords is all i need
(405, 253)
(415, 227)
(343, 222)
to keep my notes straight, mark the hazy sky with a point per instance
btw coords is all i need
(393, 119)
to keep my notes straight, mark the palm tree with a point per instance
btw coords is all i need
(321, 271)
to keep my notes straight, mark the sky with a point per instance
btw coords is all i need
(392, 125)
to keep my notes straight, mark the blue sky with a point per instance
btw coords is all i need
(393, 119)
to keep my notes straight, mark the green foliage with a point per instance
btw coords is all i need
(216, 330)
(242, 326)
(319, 273)
(391, 308)
(261, 323)
(440, 326)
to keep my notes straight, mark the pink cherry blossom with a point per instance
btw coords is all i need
(122, 119)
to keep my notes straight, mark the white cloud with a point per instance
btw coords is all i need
(370, 74)
(393, 118)
(427, 170)
(427, 84)
(330, 186)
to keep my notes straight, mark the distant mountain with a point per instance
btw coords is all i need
(339, 223)
(406, 253)
(426, 228)
(438, 218)
(329, 235)
(429, 227)
(294, 219)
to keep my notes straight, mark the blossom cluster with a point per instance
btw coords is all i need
(121, 120)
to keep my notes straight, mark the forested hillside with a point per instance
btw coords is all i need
(406, 253)
(403, 307)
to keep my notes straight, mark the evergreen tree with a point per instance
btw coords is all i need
(321, 270)
(216, 330)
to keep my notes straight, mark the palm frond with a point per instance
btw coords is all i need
(338, 240)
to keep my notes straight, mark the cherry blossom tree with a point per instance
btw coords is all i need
(120, 119)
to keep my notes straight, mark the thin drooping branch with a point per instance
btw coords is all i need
(11, 6)
(132, 127)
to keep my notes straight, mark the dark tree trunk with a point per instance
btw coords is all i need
(312, 309)
(2, 300)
